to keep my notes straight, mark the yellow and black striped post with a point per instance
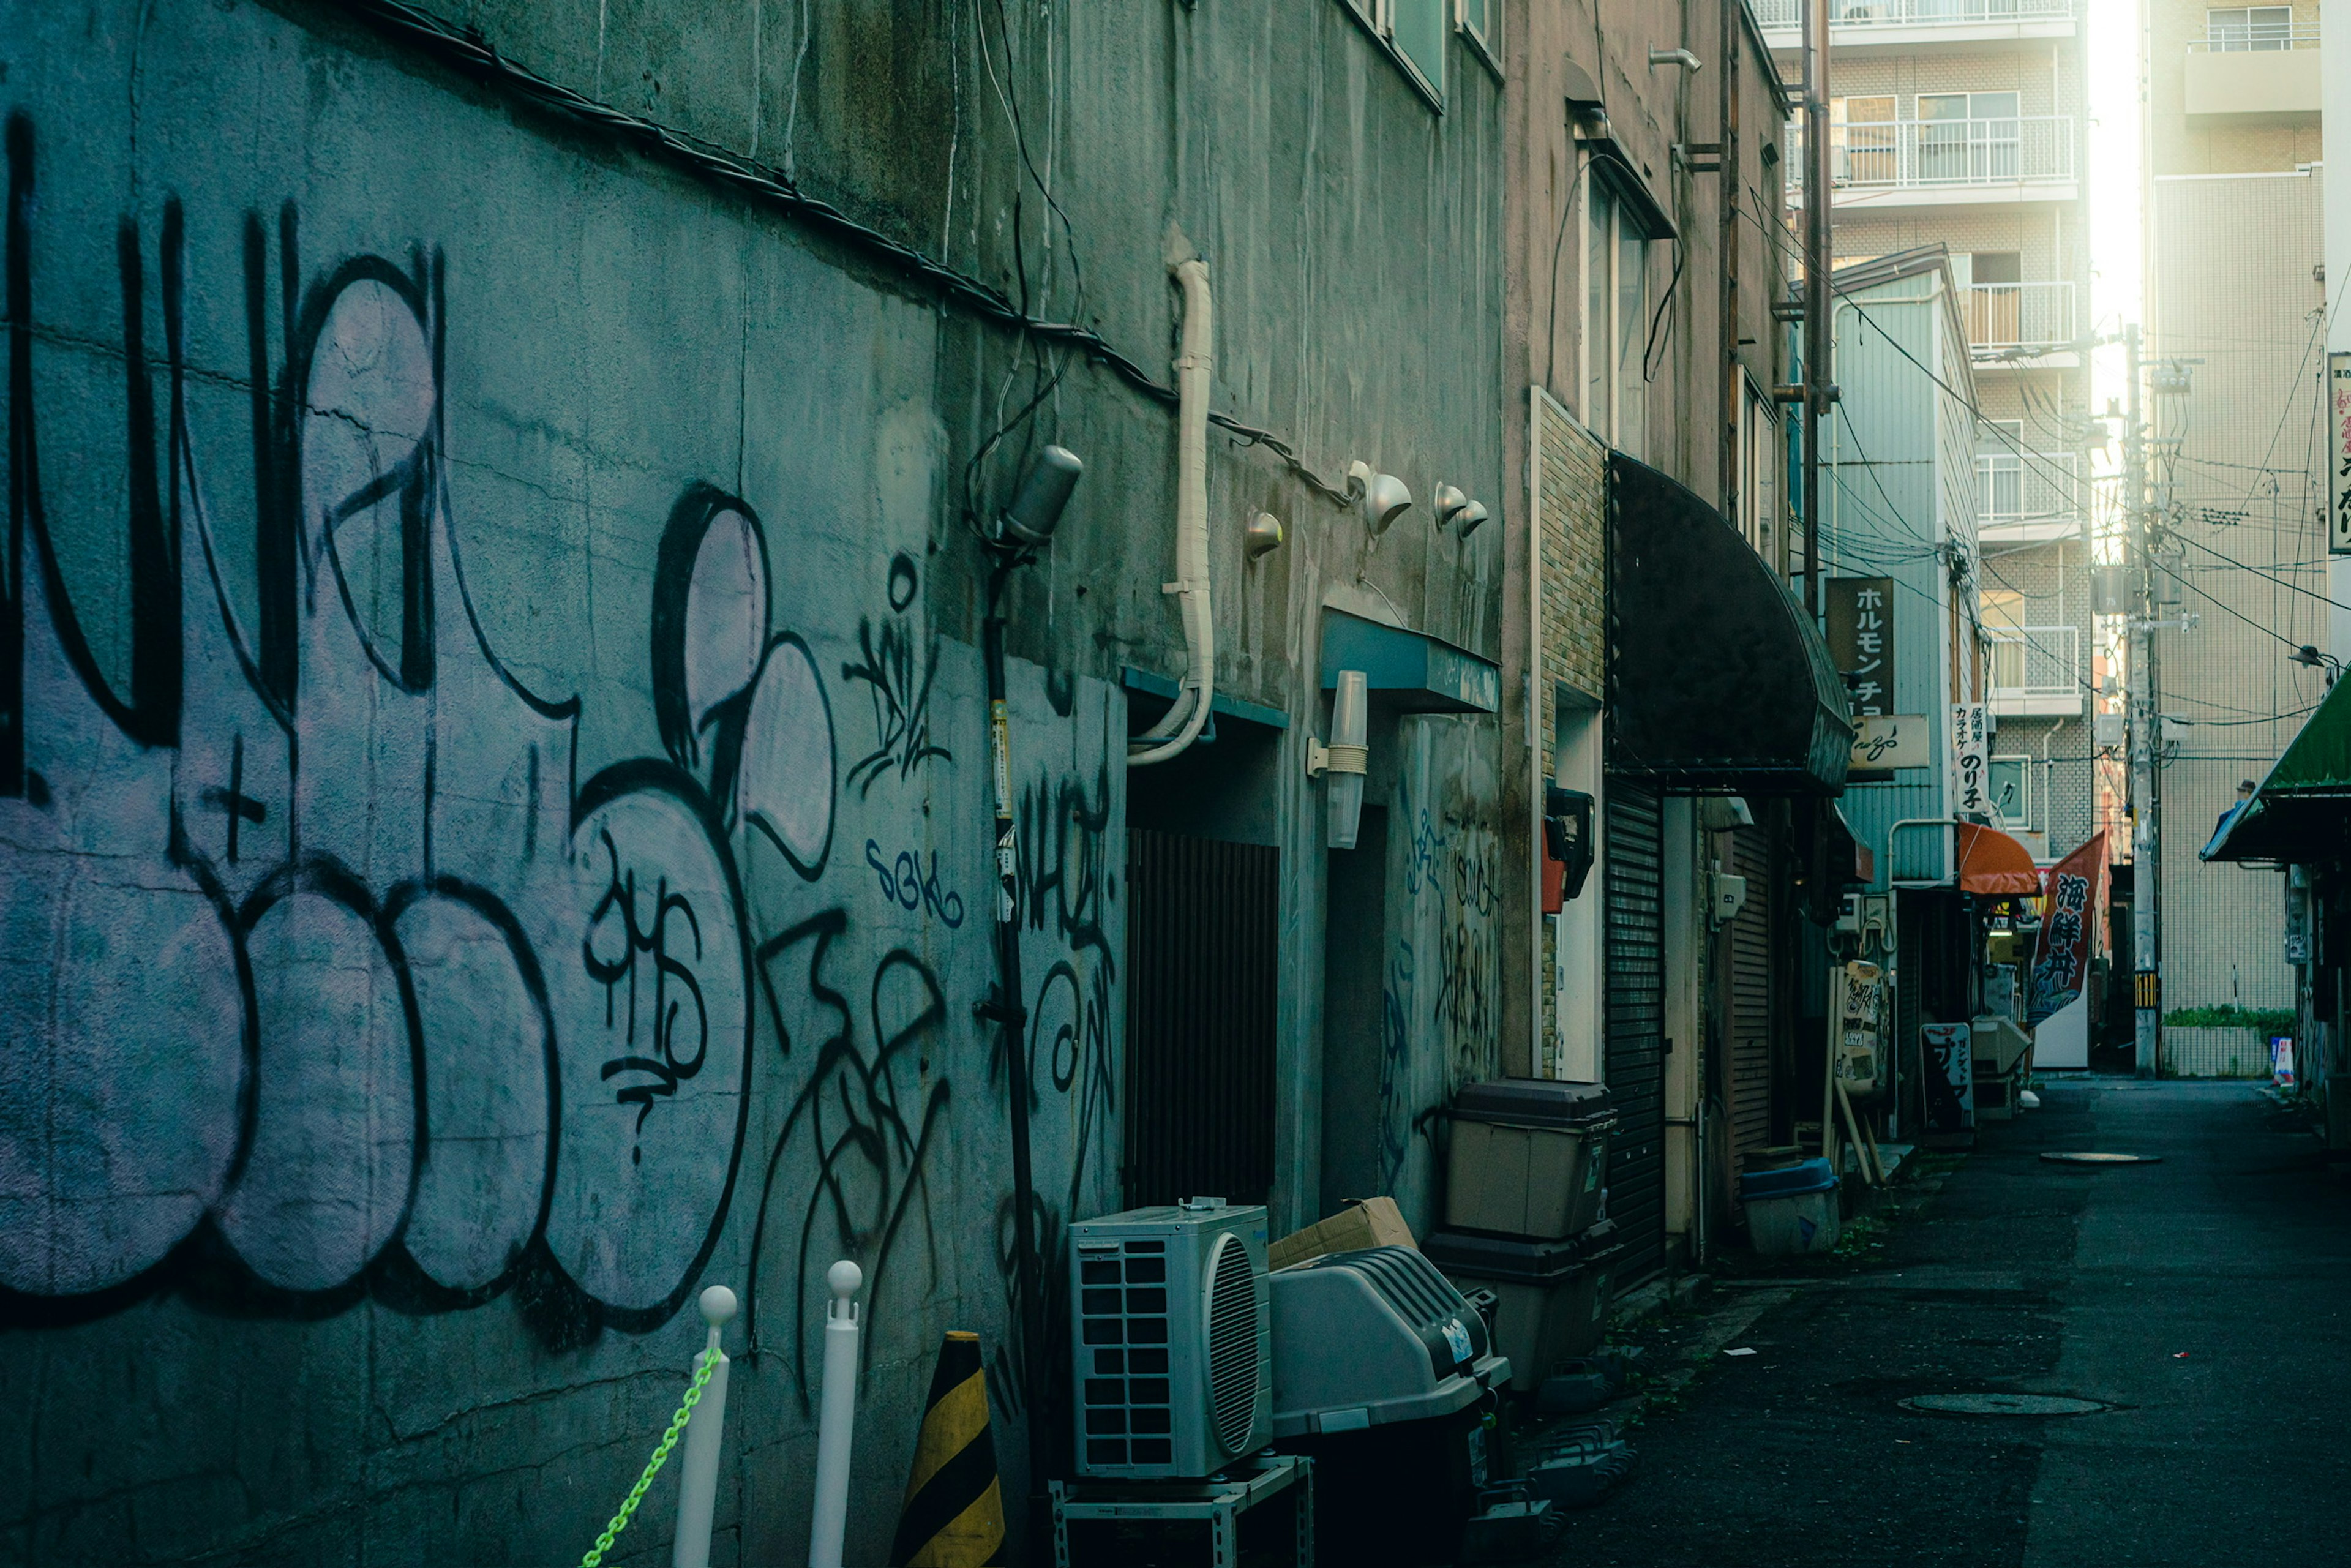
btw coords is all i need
(953, 1512)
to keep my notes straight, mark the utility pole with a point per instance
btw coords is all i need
(1818, 392)
(2146, 741)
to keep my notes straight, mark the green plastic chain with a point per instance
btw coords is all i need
(652, 1465)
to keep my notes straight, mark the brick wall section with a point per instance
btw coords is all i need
(1572, 510)
(1571, 498)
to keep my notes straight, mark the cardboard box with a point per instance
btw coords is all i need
(1366, 1222)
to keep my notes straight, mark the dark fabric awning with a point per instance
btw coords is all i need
(2301, 812)
(1717, 679)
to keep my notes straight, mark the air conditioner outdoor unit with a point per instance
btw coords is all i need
(1172, 1338)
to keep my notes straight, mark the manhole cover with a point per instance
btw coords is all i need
(2087, 1158)
(2002, 1404)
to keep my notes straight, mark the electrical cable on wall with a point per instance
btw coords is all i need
(467, 53)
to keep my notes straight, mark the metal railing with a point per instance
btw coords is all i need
(1883, 154)
(2019, 315)
(2252, 37)
(1776, 15)
(2036, 661)
(2014, 489)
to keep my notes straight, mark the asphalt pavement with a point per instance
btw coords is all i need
(2205, 1301)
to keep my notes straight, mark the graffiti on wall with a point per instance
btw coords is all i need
(1440, 1020)
(347, 973)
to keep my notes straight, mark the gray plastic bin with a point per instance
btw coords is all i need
(1528, 1157)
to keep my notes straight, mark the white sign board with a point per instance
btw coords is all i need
(2338, 426)
(1884, 741)
(1970, 765)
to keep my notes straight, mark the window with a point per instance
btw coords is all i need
(1759, 488)
(1995, 305)
(1862, 134)
(2242, 27)
(1415, 31)
(1968, 137)
(2002, 612)
(1615, 316)
(2009, 781)
(1418, 29)
(1480, 21)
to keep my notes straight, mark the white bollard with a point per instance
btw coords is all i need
(697, 1491)
(837, 1417)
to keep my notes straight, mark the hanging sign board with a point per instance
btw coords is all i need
(1859, 624)
(1951, 1062)
(2338, 480)
(1970, 768)
(1884, 742)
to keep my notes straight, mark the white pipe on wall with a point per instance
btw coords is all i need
(1182, 724)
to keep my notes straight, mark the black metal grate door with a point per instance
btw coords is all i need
(1201, 950)
(1635, 879)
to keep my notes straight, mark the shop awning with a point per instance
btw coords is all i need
(2301, 812)
(1717, 679)
(1993, 863)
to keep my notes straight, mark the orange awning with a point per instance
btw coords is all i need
(1992, 862)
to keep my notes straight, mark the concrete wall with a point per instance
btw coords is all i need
(495, 792)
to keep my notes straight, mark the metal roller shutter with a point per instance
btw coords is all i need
(1749, 1063)
(1202, 947)
(1635, 878)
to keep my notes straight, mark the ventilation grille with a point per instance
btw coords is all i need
(1232, 1344)
(1122, 1328)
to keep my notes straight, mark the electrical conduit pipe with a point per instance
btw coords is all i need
(1181, 726)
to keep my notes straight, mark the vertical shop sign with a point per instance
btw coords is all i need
(2338, 473)
(1970, 795)
(1950, 1051)
(1860, 627)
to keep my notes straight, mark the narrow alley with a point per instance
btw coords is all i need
(1174, 783)
(2206, 1300)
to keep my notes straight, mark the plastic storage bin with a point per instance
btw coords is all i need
(1528, 1157)
(1791, 1212)
(1552, 1296)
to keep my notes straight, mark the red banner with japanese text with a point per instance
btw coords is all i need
(2070, 902)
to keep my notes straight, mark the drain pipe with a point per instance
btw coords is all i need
(1182, 724)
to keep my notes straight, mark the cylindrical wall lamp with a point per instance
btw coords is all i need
(1345, 760)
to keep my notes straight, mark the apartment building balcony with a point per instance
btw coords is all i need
(2255, 62)
(2021, 326)
(2036, 671)
(1883, 164)
(2029, 497)
(1886, 27)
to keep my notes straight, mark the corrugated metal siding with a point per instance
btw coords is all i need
(1201, 951)
(2242, 312)
(1750, 1061)
(1635, 880)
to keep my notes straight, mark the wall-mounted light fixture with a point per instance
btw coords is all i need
(1044, 491)
(1262, 535)
(1382, 498)
(1454, 508)
(1345, 760)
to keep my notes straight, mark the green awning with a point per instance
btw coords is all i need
(2301, 812)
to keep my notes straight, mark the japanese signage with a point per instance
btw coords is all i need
(1949, 1049)
(1859, 1006)
(1884, 742)
(1860, 624)
(1971, 779)
(2338, 424)
(2068, 926)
